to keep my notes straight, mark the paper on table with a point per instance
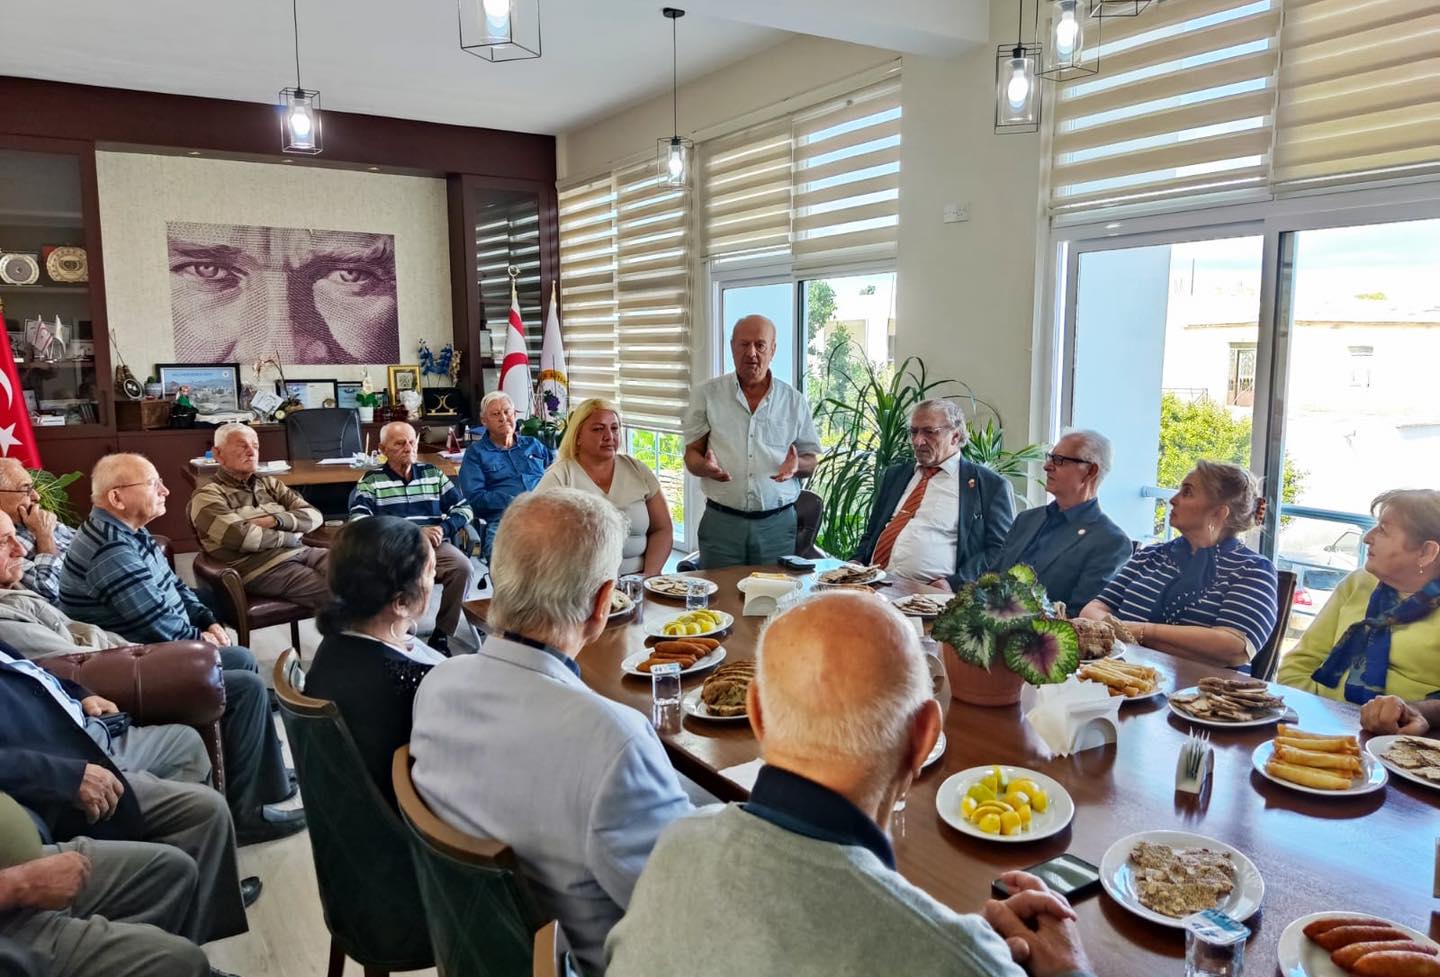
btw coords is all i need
(744, 774)
(335, 461)
(452, 455)
(1062, 712)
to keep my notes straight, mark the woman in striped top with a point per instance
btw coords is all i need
(1203, 595)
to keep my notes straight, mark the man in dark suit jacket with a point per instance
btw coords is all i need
(52, 762)
(942, 519)
(1073, 547)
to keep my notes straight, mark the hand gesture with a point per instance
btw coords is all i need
(1390, 714)
(99, 793)
(216, 635)
(264, 522)
(51, 882)
(434, 534)
(98, 705)
(788, 467)
(40, 522)
(1038, 925)
(713, 469)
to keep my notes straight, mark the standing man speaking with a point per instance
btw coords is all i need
(748, 436)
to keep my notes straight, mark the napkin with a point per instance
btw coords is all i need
(1073, 715)
(744, 774)
(762, 594)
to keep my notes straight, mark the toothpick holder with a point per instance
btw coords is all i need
(1194, 785)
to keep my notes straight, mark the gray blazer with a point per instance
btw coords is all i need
(1075, 563)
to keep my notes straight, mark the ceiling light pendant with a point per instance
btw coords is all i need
(500, 30)
(299, 108)
(674, 153)
(1017, 86)
(1071, 49)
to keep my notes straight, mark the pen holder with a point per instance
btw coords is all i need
(1190, 777)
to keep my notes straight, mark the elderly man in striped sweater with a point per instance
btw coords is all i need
(424, 495)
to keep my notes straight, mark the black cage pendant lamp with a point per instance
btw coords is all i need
(299, 107)
(1071, 46)
(674, 154)
(1017, 83)
(500, 30)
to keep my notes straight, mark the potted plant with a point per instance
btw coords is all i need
(366, 401)
(53, 497)
(998, 635)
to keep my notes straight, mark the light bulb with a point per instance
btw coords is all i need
(1017, 90)
(1067, 30)
(676, 163)
(300, 123)
(497, 9)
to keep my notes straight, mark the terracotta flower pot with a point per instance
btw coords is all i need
(977, 687)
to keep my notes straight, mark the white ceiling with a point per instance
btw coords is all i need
(382, 57)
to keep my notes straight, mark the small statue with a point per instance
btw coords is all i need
(182, 397)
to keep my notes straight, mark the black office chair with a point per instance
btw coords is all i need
(324, 432)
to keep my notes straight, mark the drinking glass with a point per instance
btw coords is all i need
(665, 697)
(632, 585)
(697, 595)
(1214, 945)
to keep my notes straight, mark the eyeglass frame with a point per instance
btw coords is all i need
(932, 432)
(27, 490)
(1060, 461)
(154, 484)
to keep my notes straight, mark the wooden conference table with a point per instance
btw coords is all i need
(1368, 854)
(307, 472)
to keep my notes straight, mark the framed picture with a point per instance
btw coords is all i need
(345, 393)
(402, 378)
(214, 387)
(30, 403)
(312, 393)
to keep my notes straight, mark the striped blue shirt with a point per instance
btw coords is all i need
(1241, 597)
(426, 498)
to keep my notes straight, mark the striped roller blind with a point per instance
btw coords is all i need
(846, 178)
(508, 233)
(1182, 108)
(652, 290)
(746, 182)
(1359, 91)
(587, 288)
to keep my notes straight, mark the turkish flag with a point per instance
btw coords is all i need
(17, 440)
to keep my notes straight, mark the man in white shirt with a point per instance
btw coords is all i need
(748, 437)
(941, 519)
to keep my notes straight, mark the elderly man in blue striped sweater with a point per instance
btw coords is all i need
(115, 577)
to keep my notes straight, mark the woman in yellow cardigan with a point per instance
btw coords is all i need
(1379, 634)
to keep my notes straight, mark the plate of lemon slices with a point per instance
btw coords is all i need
(690, 624)
(1005, 804)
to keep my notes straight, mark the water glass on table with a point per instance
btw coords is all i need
(697, 595)
(1214, 945)
(665, 697)
(632, 585)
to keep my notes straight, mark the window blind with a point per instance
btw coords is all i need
(1182, 108)
(653, 252)
(846, 177)
(507, 234)
(746, 183)
(1359, 91)
(587, 289)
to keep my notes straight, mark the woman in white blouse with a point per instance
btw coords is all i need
(589, 459)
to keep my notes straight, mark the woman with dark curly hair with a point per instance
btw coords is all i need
(382, 570)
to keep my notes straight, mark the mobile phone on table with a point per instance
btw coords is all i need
(1072, 877)
(793, 562)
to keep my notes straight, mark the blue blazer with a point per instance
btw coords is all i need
(984, 517)
(43, 754)
(1075, 563)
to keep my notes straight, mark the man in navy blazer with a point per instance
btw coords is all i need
(58, 761)
(940, 520)
(1073, 547)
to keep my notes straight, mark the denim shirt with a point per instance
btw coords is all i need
(491, 476)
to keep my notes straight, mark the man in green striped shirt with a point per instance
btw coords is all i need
(423, 494)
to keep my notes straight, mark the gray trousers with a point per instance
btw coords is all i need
(125, 921)
(170, 752)
(727, 541)
(300, 579)
(254, 764)
(454, 573)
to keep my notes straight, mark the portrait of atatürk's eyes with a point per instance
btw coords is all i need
(239, 293)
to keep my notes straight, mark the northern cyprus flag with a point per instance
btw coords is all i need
(515, 367)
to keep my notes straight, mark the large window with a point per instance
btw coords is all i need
(664, 453)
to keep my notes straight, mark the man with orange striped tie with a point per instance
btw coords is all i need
(940, 519)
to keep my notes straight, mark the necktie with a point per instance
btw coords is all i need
(886, 543)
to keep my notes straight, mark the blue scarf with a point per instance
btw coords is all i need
(1196, 576)
(1364, 649)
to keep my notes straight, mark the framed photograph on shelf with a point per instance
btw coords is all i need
(312, 393)
(402, 378)
(345, 393)
(214, 387)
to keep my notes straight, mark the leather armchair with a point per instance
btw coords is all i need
(220, 588)
(171, 682)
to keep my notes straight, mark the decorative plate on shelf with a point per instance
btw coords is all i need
(67, 265)
(19, 269)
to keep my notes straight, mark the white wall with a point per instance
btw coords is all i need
(139, 194)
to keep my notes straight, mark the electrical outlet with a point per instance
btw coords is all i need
(956, 213)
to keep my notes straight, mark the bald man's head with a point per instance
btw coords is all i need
(127, 486)
(752, 347)
(400, 444)
(841, 675)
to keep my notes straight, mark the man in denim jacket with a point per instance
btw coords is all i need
(500, 465)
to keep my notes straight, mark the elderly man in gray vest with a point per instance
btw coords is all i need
(810, 850)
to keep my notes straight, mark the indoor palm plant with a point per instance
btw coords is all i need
(53, 497)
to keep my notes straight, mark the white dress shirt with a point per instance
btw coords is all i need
(51, 684)
(925, 548)
(750, 446)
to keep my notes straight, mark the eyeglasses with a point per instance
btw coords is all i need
(154, 483)
(22, 490)
(1060, 461)
(929, 432)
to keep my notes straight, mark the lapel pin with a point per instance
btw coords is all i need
(1081, 532)
(971, 483)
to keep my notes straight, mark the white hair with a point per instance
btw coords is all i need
(109, 472)
(493, 396)
(223, 432)
(385, 431)
(1094, 447)
(544, 582)
(873, 728)
(954, 416)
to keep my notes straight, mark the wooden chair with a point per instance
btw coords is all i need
(362, 859)
(1267, 659)
(483, 921)
(220, 588)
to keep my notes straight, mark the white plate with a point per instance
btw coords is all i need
(936, 752)
(1057, 814)
(1164, 680)
(1117, 875)
(1374, 777)
(1298, 956)
(709, 661)
(1379, 744)
(695, 706)
(657, 628)
(900, 606)
(1276, 715)
(875, 576)
(626, 605)
(657, 585)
